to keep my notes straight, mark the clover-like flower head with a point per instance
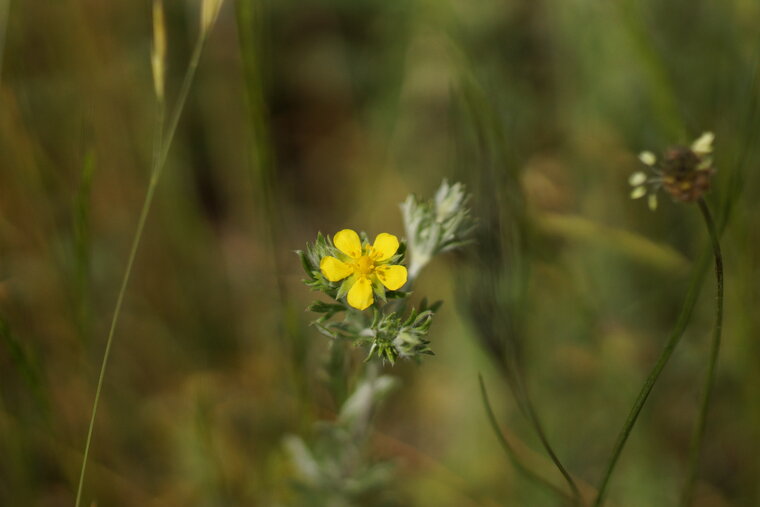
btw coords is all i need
(366, 269)
(683, 172)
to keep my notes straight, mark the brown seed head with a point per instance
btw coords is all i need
(685, 174)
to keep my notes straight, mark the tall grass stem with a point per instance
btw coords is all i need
(161, 151)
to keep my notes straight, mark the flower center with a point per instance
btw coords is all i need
(680, 162)
(364, 265)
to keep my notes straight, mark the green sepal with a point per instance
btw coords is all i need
(379, 289)
(345, 286)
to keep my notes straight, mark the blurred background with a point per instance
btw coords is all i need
(316, 115)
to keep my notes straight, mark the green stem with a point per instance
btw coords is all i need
(699, 430)
(530, 413)
(675, 336)
(159, 161)
(509, 450)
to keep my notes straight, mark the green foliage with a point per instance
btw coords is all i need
(391, 337)
(309, 115)
(437, 225)
(337, 468)
(310, 259)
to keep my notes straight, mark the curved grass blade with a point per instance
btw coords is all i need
(510, 451)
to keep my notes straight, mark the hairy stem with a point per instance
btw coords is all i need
(699, 430)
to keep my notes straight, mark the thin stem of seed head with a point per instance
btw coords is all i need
(673, 339)
(675, 336)
(160, 154)
(699, 429)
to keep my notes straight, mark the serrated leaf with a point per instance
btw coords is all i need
(322, 307)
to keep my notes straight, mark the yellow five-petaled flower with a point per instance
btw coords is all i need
(365, 265)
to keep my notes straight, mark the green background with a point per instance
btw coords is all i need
(311, 116)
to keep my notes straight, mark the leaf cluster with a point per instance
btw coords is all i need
(392, 336)
(437, 225)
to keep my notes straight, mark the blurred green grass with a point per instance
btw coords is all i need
(318, 115)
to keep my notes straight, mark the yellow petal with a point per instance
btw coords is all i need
(334, 269)
(360, 295)
(385, 246)
(393, 277)
(348, 242)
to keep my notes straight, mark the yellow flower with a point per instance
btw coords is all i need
(365, 264)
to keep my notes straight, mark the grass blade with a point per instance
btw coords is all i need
(509, 450)
(160, 157)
